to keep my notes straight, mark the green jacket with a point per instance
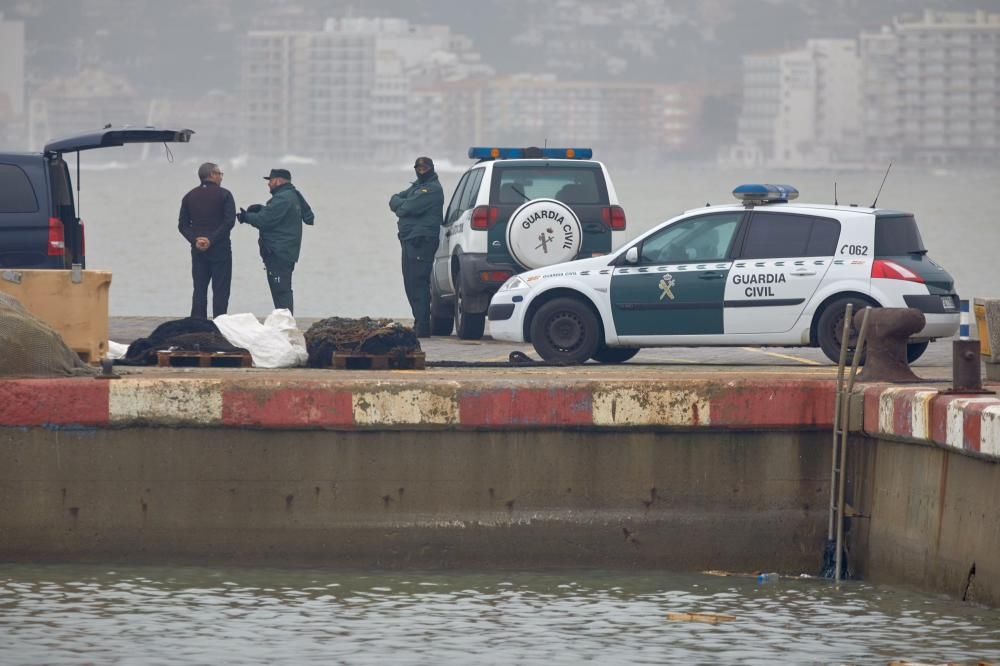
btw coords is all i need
(280, 224)
(419, 209)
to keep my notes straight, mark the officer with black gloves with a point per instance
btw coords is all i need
(420, 212)
(280, 224)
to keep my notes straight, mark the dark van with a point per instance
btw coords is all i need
(39, 227)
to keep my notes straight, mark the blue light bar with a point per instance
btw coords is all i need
(766, 193)
(492, 153)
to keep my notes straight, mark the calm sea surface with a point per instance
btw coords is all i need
(149, 615)
(350, 259)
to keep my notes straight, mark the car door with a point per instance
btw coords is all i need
(677, 285)
(441, 275)
(782, 260)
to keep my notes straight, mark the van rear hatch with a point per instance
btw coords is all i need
(898, 240)
(117, 136)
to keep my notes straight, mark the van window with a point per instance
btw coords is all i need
(571, 185)
(455, 206)
(471, 189)
(776, 235)
(16, 193)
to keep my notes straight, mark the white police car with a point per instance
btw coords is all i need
(517, 209)
(767, 273)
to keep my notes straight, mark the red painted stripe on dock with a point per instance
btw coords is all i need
(62, 402)
(939, 419)
(305, 405)
(513, 407)
(776, 405)
(873, 403)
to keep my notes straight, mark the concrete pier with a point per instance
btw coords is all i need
(593, 466)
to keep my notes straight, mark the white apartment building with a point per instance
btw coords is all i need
(932, 88)
(346, 92)
(801, 107)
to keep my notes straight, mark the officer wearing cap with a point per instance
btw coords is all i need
(280, 224)
(420, 212)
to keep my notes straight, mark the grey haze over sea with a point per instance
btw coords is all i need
(350, 259)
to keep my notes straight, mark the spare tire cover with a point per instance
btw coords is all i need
(543, 232)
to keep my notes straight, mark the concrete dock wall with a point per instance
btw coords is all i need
(414, 470)
(738, 501)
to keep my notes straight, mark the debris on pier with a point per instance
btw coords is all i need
(364, 335)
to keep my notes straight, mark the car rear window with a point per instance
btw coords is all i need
(897, 235)
(571, 185)
(773, 235)
(16, 193)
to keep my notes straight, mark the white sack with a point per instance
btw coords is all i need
(270, 345)
(283, 321)
(116, 350)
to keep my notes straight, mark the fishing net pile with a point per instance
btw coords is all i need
(188, 334)
(365, 335)
(31, 348)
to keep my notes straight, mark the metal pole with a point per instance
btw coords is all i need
(845, 430)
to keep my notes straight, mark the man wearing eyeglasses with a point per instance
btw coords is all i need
(419, 209)
(208, 214)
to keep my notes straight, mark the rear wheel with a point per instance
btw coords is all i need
(830, 328)
(605, 354)
(468, 326)
(915, 350)
(565, 330)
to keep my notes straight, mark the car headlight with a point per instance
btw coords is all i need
(513, 283)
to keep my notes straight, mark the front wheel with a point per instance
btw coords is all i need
(605, 354)
(565, 330)
(830, 328)
(468, 326)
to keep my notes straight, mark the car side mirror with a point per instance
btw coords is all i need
(632, 255)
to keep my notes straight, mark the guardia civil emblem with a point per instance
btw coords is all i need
(667, 286)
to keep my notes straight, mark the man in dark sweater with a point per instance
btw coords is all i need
(208, 214)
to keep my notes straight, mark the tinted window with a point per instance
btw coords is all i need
(571, 185)
(454, 207)
(16, 193)
(471, 189)
(823, 240)
(703, 238)
(776, 235)
(895, 236)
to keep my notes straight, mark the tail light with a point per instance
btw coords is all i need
(484, 217)
(56, 246)
(614, 217)
(890, 270)
(494, 276)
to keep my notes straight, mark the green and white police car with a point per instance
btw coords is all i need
(763, 272)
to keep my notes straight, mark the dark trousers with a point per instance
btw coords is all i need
(279, 279)
(417, 264)
(215, 266)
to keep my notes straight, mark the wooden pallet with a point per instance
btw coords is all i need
(361, 361)
(203, 359)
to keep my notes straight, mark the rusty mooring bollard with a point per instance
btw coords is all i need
(889, 329)
(966, 374)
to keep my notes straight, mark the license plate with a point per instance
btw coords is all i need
(948, 303)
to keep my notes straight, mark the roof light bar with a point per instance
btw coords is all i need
(763, 193)
(508, 153)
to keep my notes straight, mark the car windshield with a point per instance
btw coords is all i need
(897, 235)
(571, 185)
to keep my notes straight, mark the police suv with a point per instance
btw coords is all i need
(517, 209)
(767, 273)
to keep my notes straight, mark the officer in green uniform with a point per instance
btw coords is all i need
(280, 224)
(420, 212)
